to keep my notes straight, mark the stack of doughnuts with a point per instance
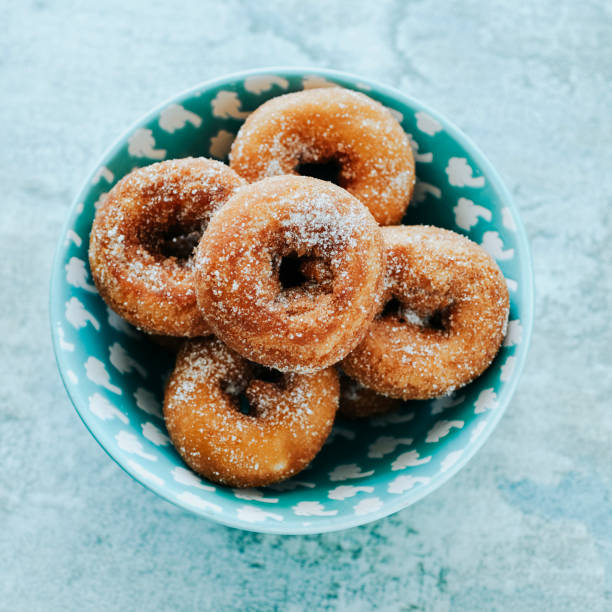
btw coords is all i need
(290, 286)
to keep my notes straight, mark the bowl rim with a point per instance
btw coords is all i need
(340, 521)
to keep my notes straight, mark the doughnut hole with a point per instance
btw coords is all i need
(244, 392)
(301, 280)
(180, 242)
(435, 320)
(175, 239)
(325, 169)
(269, 375)
(290, 273)
(308, 273)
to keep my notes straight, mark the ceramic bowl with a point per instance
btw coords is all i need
(115, 375)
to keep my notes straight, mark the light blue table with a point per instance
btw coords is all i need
(528, 524)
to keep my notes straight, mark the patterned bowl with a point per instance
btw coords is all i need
(114, 375)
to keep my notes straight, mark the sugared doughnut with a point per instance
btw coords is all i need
(289, 271)
(357, 401)
(445, 316)
(143, 237)
(336, 134)
(205, 408)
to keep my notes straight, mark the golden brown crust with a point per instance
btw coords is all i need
(358, 402)
(238, 280)
(292, 416)
(150, 290)
(362, 136)
(432, 271)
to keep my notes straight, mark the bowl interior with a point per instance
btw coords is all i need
(115, 375)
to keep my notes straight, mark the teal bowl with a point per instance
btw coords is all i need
(115, 375)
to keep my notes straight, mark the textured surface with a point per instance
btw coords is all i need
(528, 524)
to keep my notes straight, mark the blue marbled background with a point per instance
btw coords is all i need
(528, 524)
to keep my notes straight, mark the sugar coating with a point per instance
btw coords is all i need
(300, 329)
(317, 125)
(430, 270)
(290, 422)
(152, 291)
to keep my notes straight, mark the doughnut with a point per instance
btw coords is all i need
(336, 134)
(444, 316)
(143, 237)
(243, 425)
(289, 271)
(357, 401)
